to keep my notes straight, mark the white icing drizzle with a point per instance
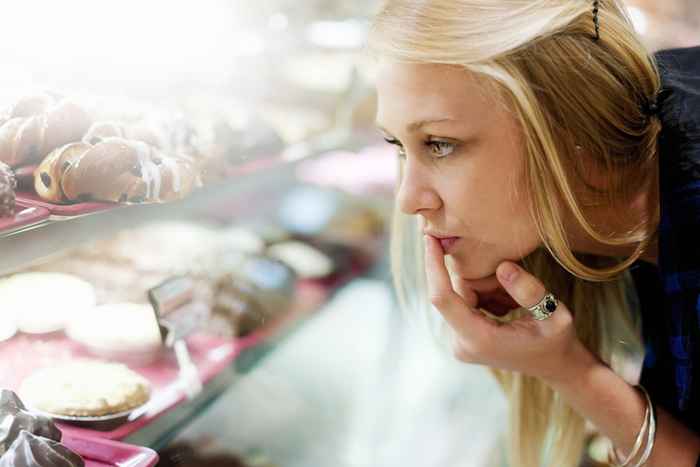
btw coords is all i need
(174, 169)
(149, 171)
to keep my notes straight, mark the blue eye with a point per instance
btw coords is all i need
(441, 149)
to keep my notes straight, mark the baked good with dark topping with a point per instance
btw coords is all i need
(8, 185)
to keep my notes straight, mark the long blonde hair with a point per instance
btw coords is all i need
(573, 97)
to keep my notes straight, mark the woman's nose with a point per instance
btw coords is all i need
(415, 193)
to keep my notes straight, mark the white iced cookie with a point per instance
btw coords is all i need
(85, 388)
(41, 302)
(304, 259)
(117, 328)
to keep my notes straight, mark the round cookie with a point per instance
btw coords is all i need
(42, 302)
(85, 388)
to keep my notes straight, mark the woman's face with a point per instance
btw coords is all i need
(463, 163)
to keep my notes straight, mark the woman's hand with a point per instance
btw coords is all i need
(545, 349)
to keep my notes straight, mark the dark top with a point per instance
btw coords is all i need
(670, 293)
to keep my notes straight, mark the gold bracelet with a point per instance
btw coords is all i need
(613, 455)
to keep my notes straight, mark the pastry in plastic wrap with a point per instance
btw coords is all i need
(36, 125)
(14, 418)
(236, 311)
(29, 450)
(85, 388)
(44, 302)
(115, 170)
(8, 185)
(251, 289)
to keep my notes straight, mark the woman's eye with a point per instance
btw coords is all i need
(441, 149)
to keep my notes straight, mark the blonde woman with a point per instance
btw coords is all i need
(549, 209)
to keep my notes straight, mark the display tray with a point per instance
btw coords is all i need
(23, 354)
(27, 216)
(63, 211)
(57, 212)
(105, 453)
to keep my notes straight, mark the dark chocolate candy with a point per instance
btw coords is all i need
(14, 417)
(35, 451)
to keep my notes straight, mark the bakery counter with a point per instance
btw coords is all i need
(41, 234)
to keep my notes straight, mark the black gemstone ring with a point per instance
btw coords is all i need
(544, 308)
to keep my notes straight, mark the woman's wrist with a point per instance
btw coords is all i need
(575, 367)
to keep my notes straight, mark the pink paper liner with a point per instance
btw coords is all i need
(102, 452)
(23, 354)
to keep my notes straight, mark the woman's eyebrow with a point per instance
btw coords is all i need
(418, 124)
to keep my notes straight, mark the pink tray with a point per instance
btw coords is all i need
(26, 216)
(104, 453)
(63, 210)
(23, 354)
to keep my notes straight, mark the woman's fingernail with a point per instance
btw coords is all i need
(508, 272)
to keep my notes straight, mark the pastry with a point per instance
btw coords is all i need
(250, 290)
(36, 125)
(307, 261)
(8, 184)
(114, 170)
(29, 450)
(103, 130)
(85, 388)
(14, 418)
(118, 330)
(41, 302)
(236, 311)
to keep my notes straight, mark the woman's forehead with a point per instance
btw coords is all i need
(429, 92)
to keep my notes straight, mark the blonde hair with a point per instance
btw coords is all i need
(573, 97)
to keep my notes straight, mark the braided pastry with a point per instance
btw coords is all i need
(8, 184)
(36, 125)
(114, 170)
(101, 130)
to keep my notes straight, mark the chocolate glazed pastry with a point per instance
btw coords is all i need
(14, 418)
(114, 170)
(8, 184)
(36, 125)
(35, 451)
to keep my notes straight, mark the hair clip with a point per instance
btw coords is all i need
(651, 107)
(596, 22)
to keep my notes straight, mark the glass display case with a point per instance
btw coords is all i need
(256, 188)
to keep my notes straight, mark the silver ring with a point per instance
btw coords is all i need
(545, 308)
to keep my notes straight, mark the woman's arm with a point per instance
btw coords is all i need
(617, 409)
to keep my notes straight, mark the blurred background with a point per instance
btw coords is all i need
(352, 384)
